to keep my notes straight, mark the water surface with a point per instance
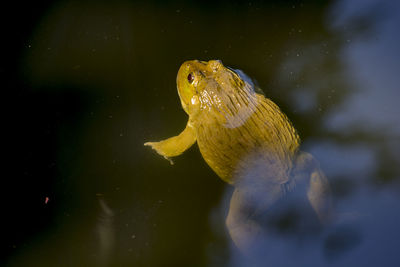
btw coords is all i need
(90, 82)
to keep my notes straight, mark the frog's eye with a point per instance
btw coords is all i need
(190, 78)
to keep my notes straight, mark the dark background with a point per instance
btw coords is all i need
(85, 84)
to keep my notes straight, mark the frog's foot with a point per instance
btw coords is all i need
(157, 146)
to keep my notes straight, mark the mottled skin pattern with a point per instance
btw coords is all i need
(248, 141)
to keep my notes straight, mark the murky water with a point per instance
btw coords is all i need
(94, 81)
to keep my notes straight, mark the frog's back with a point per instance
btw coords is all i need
(245, 131)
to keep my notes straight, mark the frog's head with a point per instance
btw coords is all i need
(220, 90)
(193, 77)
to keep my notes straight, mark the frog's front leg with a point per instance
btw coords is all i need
(176, 145)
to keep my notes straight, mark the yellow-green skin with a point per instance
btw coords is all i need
(246, 139)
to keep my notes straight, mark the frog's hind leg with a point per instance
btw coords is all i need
(319, 195)
(318, 190)
(248, 203)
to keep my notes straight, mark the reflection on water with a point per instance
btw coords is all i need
(106, 233)
(96, 81)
